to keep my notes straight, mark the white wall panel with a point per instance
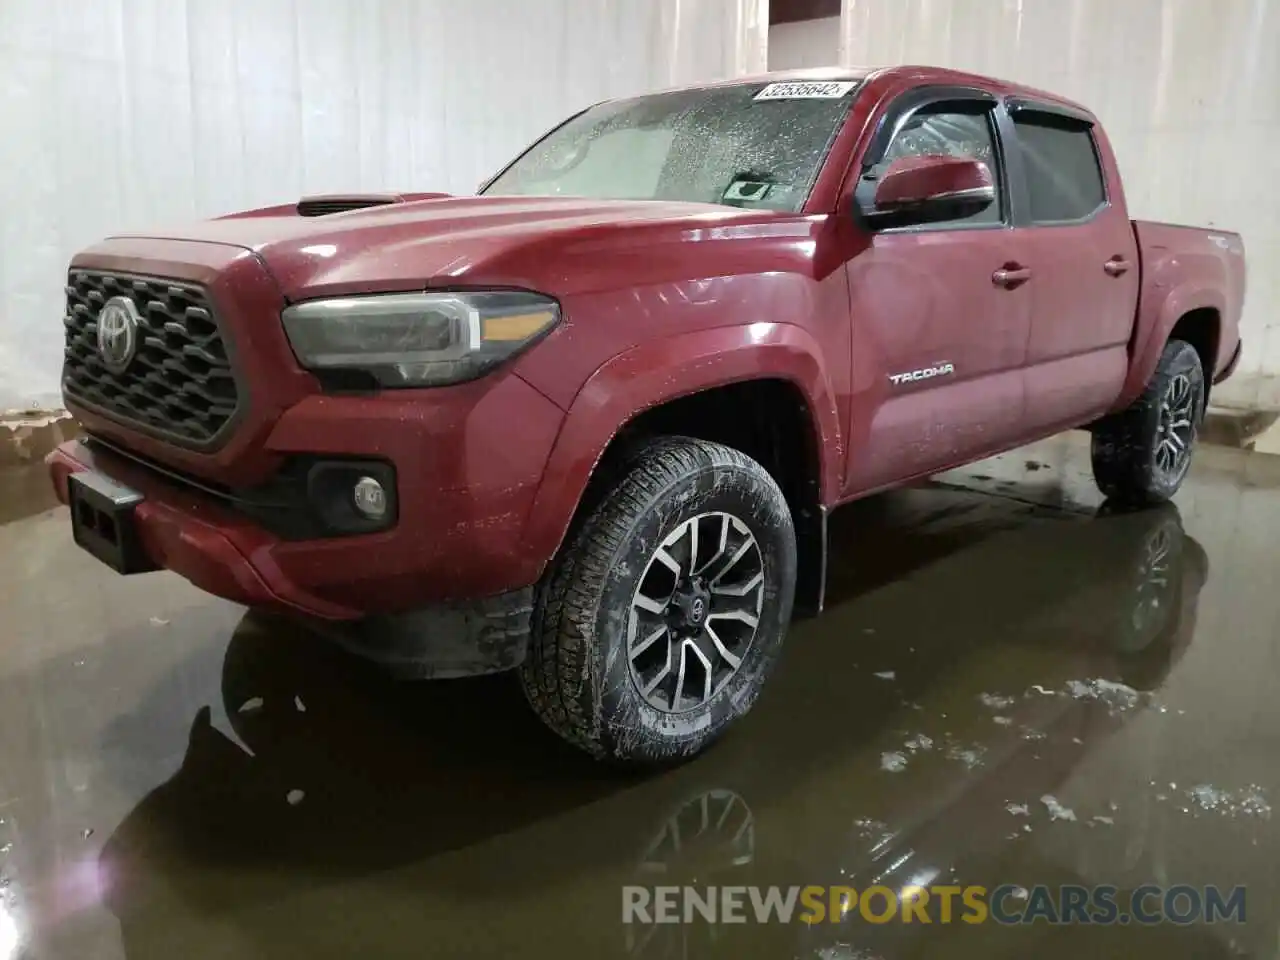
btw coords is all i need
(804, 44)
(119, 114)
(1189, 91)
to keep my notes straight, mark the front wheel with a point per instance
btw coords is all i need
(661, 619)
(1142, 454)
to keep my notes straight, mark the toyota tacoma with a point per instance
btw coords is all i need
(589, 423)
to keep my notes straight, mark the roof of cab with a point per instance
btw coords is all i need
(811, 73)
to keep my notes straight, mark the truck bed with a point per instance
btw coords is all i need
(1180, 263)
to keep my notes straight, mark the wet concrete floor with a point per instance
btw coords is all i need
(180, 779)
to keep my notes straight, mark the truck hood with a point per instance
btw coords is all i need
(461, 241)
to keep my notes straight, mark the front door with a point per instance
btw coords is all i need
(940, 314)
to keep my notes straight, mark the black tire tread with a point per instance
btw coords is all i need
(557, 673)
(1122, 445)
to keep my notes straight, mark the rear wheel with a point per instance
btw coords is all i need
(1142, 454)
(662, 618)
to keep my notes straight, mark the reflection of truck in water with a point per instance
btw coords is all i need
(590, 423)
(433, 820)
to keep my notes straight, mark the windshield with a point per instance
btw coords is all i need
(748, 145)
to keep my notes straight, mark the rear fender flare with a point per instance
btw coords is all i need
(1152, 336)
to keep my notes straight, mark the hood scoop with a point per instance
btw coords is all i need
(321, 206)
(324, 204)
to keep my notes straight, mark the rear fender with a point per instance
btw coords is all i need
(654, 373)
(1154, 326)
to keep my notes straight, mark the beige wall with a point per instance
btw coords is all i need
(1189, 91)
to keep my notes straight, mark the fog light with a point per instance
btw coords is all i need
(369, 497)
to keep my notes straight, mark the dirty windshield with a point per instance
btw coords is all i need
(748, 145)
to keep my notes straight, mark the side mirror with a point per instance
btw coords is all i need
(928, 189)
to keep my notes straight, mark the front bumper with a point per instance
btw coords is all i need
(466, 478)
(194, 538)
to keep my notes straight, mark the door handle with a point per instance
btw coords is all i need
(1117, 266)
(1011, 275)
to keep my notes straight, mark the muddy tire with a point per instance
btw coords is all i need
(662, 617)
(1142, 454)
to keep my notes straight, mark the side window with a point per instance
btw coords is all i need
(952, 130)
(1063, 174)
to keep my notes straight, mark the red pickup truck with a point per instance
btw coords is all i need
(589, 423)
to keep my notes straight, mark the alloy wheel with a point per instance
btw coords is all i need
(695, 612)
(1176, 430)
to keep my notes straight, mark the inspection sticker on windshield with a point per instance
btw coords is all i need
(805, 90)
(747, 191)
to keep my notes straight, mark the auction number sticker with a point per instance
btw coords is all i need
(805, 90)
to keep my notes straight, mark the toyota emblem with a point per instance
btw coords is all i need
(118, 333)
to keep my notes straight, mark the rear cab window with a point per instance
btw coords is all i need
(1065, 182)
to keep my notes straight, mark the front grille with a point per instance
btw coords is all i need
(179, 384)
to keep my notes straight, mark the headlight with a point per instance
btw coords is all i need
(417, 339)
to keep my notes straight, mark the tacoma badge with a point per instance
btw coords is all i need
(937, 370)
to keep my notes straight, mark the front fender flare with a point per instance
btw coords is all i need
(656, 372)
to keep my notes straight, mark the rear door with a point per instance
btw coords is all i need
(1083, 258)
(940, 317)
